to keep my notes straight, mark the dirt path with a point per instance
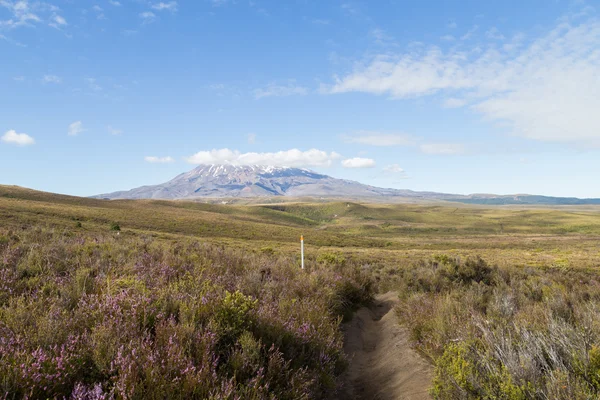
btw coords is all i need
(383, 365)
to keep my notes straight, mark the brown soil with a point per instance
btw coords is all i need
(382, 364)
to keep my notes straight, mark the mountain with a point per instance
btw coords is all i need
(215, 181)
(254, 181)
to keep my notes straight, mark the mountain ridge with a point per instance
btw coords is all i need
(230, 181)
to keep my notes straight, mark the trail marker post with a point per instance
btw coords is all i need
(302, 250)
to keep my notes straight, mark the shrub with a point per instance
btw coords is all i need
(331, 259)
(88, 315)
(115, 226)
(504, 333)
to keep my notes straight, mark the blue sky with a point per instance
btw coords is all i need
(453, 96)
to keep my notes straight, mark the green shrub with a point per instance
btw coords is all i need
(331, 259)
(234, 315)
(455, 374)
(115, 226)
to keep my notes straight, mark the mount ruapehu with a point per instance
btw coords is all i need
(226, 181)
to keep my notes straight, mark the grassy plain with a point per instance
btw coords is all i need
(395, 234)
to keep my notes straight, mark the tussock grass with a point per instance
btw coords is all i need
(505, 333)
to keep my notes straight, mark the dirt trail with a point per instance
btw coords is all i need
(382, 364)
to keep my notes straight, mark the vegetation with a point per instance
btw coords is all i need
(505, 333)
(103, 316)
(194, 300)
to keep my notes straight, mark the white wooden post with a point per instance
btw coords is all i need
(302, 249)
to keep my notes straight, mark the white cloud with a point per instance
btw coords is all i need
(75, 128)
(274, 90)
(350, 9)
(448, 38)
(51, 79)
(453, 102)
(159, 160)
(251, 138)
(546, 89)
(58, 20)
(93, 85)
(19, 79)
(394, 169)
(20, 139)
(381, 38)
(170, 6)
(470, 33)
(114, 131)
(147, 16)
(379, 139)
(22, 14)
(494, 34)
(288, 158)
(442, 148)
(99, 12)
(358, 162)
(452, 25)
(114, 3)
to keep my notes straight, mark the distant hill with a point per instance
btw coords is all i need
(227, 181)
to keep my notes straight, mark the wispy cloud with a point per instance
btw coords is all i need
(358, 162)
(381, 38)
(318, 21)
(218, 3)
(162, 6)
(251, 138)
(469, 34)
(546, 89)
(379, 139)
(442, 149)
(99, 12)
(287, 158)
(51, 79)
(114, 3)
(453, 102)
(22, 14)
(75, 128)
(395, 172)
(494, 34)
(275, 90)
(19, 139)
(350, 8)
(148, 16)
(93, 84)
(114, 131)
(159, 160)
(394, 169)
(11, 41)
(58, 21)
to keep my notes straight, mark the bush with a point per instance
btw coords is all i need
(505, 333)
(115, 226)
(91, 316)
(331, 259)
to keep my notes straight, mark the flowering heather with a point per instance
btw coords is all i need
(101, 316)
